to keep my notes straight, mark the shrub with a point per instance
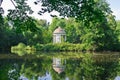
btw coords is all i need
(20, 46)
(60, 47)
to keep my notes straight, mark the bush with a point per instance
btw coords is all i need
(60, 47)
(20, 46)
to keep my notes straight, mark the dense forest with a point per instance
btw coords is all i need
(87, 27)
(75, 32)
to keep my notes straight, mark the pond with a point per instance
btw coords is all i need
(60, 66)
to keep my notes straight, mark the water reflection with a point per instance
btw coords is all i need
(117, 78)
(58, 67)
(46, 77)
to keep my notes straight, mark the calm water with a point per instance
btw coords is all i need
(60, 66)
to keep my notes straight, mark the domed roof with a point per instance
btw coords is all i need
(58, 69)
(59, 30)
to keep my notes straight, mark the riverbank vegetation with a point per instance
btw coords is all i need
(98, 31)
(77, 37)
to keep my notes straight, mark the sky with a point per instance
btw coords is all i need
(115, 7)
(7, 4)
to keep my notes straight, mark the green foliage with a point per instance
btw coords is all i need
(19, 17)
(60, 47)
(22, 26)
(20, 46)
(97, 23)
(20, 11)
(90, 24)
(56, 22)
(84, 10)
(95, 36)
(118, 29)
(1, 22)
(84, 66)
(21, 49)
(70, 26)
(10, 36)
(1, 30)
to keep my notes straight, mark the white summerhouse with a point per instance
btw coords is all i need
(59, 35)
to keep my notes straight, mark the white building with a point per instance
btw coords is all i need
(59, 35)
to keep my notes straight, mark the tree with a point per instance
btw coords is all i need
(118, 28)
(70, 28)
(96, 35)
(85, 10)
(95, 17)
(19, 16)
(1, 30)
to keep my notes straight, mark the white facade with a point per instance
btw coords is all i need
(59, 35)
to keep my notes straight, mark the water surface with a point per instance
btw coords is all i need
(60, 66)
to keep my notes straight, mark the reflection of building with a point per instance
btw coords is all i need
(58, 65)
(59, 35)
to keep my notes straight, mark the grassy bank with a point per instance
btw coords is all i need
(62, 47)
